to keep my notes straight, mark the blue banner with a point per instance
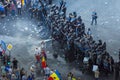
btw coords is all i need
(3, 45)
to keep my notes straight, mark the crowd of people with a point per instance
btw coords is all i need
(10, 68)
(70, 33)
(12, 7)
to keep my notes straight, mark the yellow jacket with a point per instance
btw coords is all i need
(73, 78)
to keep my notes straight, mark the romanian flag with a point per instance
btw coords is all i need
(58, 74)
(43, 62)
(54, 76)
(50, 78)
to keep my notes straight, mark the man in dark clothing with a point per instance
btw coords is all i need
(119, 54)
(32, 11)
(6, 7)
(94, 18)
(50, 2)
(15, 63)
(62, 3)
(64, 10)
(116, 71)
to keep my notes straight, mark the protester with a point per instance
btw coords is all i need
(116, 71)
(17, 73)
(4, 77)
(43, 45)
(13, 8)
(3, 69)
(32, 71)
(29, 78)
(47, 71)
(78, 78)
(43, 54)
(15, 63)
(37, 50)
(13, 77)
(2, 9)
(69, 76)
(19, 6)
(37, 57)
(24, 77)
(74, 78)
(22, 73)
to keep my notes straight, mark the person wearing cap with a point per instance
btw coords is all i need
(47, 71)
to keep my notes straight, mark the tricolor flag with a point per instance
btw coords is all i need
(50, 78)
(58, 74)
(54, 76)
(43, 62)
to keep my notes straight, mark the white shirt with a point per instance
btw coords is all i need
(37, 51)
(1, 49)
(10, 71)
(19, 5)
